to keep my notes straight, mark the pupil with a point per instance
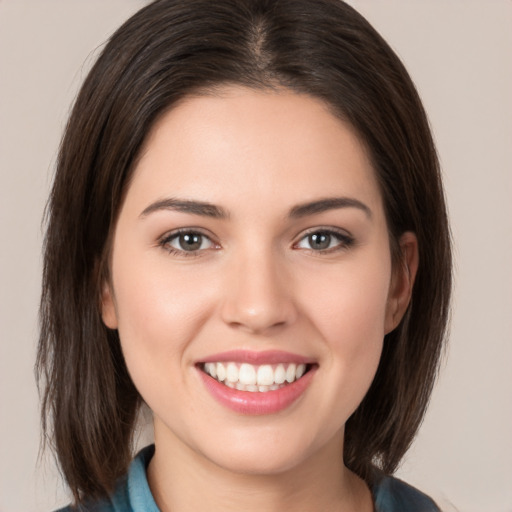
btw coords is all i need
(190, 242)
(320, 240)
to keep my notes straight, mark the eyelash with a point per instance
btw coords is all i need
(166, 240)
(345, 241)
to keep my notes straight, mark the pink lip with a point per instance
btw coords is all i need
(257, 358)
(246, 402)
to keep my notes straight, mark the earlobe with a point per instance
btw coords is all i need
(402, 282)
(108, 309)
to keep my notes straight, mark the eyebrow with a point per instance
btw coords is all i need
(210, 210)
(187, 206)
(331, 203)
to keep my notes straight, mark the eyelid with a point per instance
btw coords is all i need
(345, 238)
(166, 238)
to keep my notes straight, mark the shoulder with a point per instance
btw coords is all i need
(118, 502)
(132, 493)
(393, 495)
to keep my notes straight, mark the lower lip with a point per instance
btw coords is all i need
(247, 402)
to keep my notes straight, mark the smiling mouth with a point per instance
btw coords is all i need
(255, 378)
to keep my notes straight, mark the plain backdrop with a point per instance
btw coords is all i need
(459, 52)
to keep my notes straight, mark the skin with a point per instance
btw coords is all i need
(256, 283)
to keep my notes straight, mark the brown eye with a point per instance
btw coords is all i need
(190, 241)
(187, 242)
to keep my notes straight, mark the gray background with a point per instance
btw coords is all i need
(459, 53)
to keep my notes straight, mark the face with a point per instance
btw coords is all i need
(251, 278)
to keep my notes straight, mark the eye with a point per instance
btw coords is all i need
(187, 241)
(324, 240)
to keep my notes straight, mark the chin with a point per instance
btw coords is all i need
(259, 462)
(265, 453)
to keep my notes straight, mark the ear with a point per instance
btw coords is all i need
(402, 281)
(108, 306)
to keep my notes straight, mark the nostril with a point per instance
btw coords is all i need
(257, 325)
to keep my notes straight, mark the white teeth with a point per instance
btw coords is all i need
(248, 377)
(265, 375)
(211, 368)
(232, 373)
(279, 374)
(290, 373)
(221, 372)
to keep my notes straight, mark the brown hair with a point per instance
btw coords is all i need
(163, 53)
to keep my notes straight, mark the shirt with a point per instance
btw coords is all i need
(133, 494)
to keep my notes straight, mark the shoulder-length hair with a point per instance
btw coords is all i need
(166, 51)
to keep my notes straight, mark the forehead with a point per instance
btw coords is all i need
(273, 145)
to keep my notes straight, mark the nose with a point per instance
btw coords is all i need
(258, 296)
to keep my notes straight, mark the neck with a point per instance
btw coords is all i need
(183, 480)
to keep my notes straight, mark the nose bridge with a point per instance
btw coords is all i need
(258, 294)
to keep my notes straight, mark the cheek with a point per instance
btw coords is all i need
(351, 303)
(351, 320)
(159, 313)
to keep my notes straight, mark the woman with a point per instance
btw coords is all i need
(246, 233)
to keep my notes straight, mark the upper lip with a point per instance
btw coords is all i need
(257, 357)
